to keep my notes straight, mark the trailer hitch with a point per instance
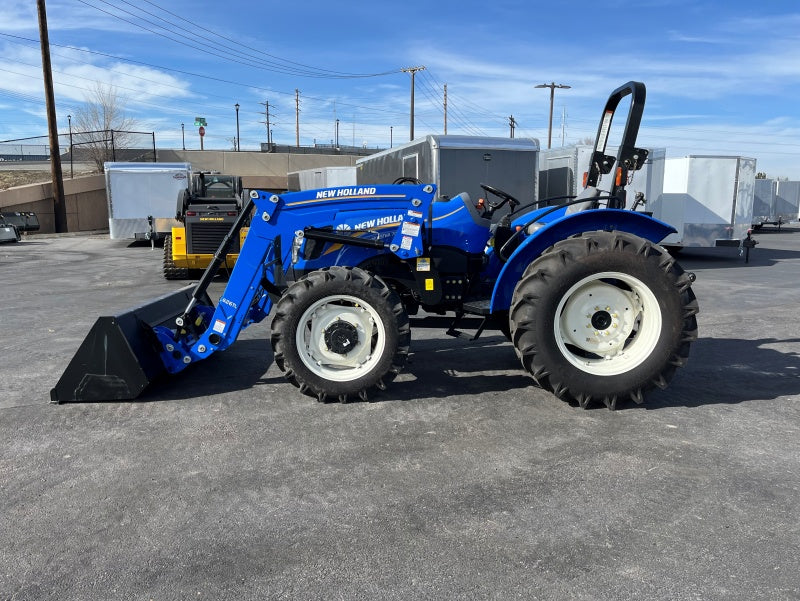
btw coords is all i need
(745, 244)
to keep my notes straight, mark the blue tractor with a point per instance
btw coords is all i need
(596, 310)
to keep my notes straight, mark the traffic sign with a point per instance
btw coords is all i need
(202, 131)
(200, 121)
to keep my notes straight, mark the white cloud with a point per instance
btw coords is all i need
(675, 36)
(18, 15)
(22, 74)
(22, 16)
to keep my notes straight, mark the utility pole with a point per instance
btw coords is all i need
(268, 123)
(552, 86)
(563, 124)
(269, 131)
(183, 136)
(413, 71)
(445, 109)
(266, 114)
(59, 204)
(297, 117)
(512, 124)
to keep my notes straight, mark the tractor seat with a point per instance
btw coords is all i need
(471, 208)
(589, 196)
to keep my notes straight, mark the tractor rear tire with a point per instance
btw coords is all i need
(603, 316)
(171, 271)
(340, 332)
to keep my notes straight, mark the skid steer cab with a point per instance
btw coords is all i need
(596, 310)
(206, 211)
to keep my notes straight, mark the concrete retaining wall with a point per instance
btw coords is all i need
(85, 197)
(258, 169)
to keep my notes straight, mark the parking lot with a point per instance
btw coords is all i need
(462, 481)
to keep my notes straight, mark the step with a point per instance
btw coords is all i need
(477, 306)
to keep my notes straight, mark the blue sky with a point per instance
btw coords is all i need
(722, 76)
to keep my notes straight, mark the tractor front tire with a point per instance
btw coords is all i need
(171, 271)
(603, 316)
(340, 332)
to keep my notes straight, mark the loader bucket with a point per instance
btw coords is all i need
(120, 355)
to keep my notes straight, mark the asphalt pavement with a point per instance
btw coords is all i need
(462, 481)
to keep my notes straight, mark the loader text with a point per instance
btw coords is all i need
(339, 192)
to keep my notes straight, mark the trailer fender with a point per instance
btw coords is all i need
(637, 224)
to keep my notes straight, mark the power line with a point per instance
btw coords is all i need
(84, 89)
(462, 112)
(254, 61)
(475, 108)
(337, 74)
(15, 39)
(247, 63)
(455, 111)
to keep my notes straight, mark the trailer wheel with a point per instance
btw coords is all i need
(171, 272)
(603, 316)
(340, 332)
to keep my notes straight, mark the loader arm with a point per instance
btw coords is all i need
(274, 244)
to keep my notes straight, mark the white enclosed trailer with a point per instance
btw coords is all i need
(561, 173)
(708, 199)
(459, 164)
(787, 200)
(764, 196)
(143, 198)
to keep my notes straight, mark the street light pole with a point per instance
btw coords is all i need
(552, 86)
(238, 140)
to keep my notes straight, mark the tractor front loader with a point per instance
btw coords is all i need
(595, 308)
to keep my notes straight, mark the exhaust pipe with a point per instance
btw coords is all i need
(119, 357)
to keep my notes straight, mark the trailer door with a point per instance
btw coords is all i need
(557, 177)
(411, 165)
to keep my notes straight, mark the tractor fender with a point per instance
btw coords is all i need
(534, 245)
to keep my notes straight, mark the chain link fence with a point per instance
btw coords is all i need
(84, 147)
(27, 149)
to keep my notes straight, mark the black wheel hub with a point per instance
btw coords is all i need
(341, 337)
(601, 320)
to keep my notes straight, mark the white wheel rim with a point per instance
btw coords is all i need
(360, 358)
(607, 323)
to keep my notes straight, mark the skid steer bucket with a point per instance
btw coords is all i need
(120, 355)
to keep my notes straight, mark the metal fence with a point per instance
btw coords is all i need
(27, 149)
(84, 147)
(319, 149)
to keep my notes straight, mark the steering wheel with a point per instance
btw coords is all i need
(407, 180)
(505, 196)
